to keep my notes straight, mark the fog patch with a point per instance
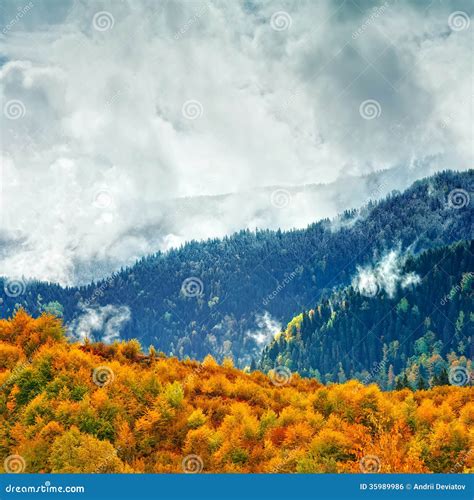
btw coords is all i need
(99, 323)
(386, 275)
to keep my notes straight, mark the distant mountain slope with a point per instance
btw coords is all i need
(169, 223)
(226, 296)
(111, 233)
(415, 331)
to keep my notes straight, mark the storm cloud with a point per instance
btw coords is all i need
(113, 109)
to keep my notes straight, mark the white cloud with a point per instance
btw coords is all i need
(102, 323)
(268, 327)
(387, 275)
(103, 111)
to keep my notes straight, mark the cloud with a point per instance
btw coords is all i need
(268, 327)
(387, 275)
(103, 111)
(99, 323)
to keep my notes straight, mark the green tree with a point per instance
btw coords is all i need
(74, 452)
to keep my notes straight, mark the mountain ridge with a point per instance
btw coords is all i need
(207, 297)
(406, 336)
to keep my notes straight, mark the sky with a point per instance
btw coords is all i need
(111, 110)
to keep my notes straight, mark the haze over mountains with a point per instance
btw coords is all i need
(230, 296)
(102, 135)
(109, 244)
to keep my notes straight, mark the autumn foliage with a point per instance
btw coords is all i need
(96, 408)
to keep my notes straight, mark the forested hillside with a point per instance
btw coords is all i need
(69, 408)
(408, 339)
(209, 297)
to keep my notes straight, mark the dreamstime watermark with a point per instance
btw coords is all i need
(281, 21)
(15, 372)
(21, 11)
(115, 97)
(458, 198)
(280, 198)
(460, 376)
(289, 277)
(369, 287)
(281, 375)
(456, 289)
(452, 116)
(44, 488)
(190, 22)
(14, 287)
(103, 376)
(99, 292)
(287, 103)
(14, 109)
(397, 130)
(103, 21)
(18, 369)
(459, 21)
(14, 464)
(105, 461)
(370, 109)
(195, 372)
(377, 191)
(192, 287)
(192, 109)
(102, 199)
(192, 464)
(376, 369)
(457, 467)
(370, 464)
(376, 13)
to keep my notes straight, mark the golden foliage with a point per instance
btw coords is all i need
(147, 413)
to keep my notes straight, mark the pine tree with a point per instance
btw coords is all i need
(421, 384)
(443, 377)
(399, 384)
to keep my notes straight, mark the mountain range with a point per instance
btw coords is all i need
(230, 296)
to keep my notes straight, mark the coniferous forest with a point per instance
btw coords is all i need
(207, 297)
(367, 366)
(408, 340)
